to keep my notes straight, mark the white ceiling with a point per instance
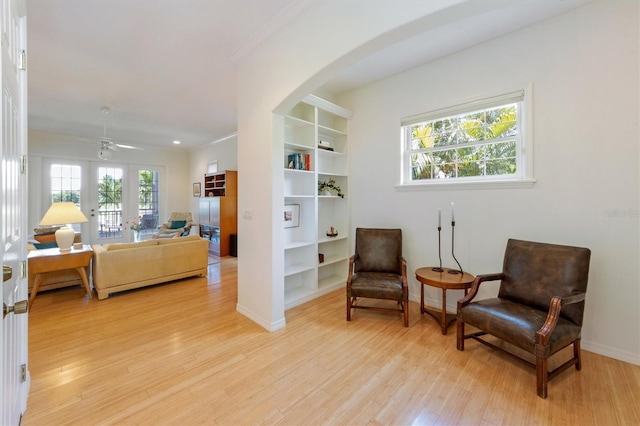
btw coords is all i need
(165, 68)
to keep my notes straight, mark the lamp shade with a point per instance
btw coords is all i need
(61, 214)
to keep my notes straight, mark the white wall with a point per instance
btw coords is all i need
(177, 193)
(225, 152)
(273, 79)
(584, 66)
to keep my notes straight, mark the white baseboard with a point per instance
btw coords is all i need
(268, 325)
(610, 352)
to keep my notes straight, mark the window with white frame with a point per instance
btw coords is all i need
(481, 141)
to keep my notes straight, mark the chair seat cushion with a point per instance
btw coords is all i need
(377, 285)
(517, 324)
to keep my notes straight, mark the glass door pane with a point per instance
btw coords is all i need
(108, 226)
(148, 183)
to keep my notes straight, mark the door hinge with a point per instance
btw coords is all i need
(23, 60)
(23, 373)
(23, 269)
(23, 165)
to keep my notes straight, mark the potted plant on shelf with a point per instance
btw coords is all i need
(326, 187)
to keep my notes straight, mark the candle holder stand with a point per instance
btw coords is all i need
(439, 269)
(453, 227)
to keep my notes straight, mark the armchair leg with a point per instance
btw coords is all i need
(541, 376)
(460, 335)
(348, 308)
(405, 308)
(577, 354)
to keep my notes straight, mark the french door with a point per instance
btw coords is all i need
(109, 207)
(116, 198)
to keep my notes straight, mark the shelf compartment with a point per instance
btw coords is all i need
(297, 268)
(332, 211)
(334, 251)
(333, 276)
(299, 182)
(304, 159)
(300, 287)
(298, 244)
(331, 122)
(303, 112)
(331, 162)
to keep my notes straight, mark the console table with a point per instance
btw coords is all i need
(445, 281)
(50, 260)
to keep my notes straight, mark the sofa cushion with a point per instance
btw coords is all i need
(177, 224)
(121, 246)
(178, 240)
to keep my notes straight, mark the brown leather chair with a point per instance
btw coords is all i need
(539, 307)
(377, 270)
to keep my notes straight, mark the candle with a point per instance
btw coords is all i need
(453, 216)
(439, 218)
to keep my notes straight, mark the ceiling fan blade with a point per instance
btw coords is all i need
(128, 146)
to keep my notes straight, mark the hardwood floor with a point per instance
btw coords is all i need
(179, 354)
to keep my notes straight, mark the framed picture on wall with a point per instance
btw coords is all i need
(291, 215)
(196, 189)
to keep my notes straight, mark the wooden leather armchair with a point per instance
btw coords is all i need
(539, 307)
(377, 270)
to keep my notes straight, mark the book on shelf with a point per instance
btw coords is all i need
(299, 161)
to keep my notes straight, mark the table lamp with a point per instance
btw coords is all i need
(63, 214)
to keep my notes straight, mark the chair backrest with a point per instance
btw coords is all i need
(535, 272)
(149, 221)
(180, 216)
(378, 250)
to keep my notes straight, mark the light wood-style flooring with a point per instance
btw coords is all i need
(180, 354)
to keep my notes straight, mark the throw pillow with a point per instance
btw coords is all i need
(175, 224)
(45, 245)
(45, 238)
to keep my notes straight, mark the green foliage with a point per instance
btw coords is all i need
(470, 158)
(109, 192)
(146, 188)
(331, 186)
(66, 196)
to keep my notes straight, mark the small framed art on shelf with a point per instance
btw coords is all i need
(291, 215)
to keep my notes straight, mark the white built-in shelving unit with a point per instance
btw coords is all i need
(309, 122)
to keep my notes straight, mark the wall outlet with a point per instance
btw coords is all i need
(247, 214)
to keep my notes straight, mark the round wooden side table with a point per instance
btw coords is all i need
(445, 281)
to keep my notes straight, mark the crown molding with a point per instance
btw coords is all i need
(271, 28)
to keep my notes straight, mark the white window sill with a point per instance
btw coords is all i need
(466, 184)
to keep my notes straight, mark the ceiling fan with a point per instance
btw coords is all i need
(107, 144)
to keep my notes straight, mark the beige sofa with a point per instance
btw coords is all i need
(125, 266)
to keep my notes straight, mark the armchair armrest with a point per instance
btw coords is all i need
(352, 263)
(544, 334)
(403, 265)
(405, 285)
(476, 285)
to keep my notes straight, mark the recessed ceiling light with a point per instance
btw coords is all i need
(176, 142)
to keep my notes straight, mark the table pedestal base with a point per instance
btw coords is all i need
(445, 281)
(443, 318)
